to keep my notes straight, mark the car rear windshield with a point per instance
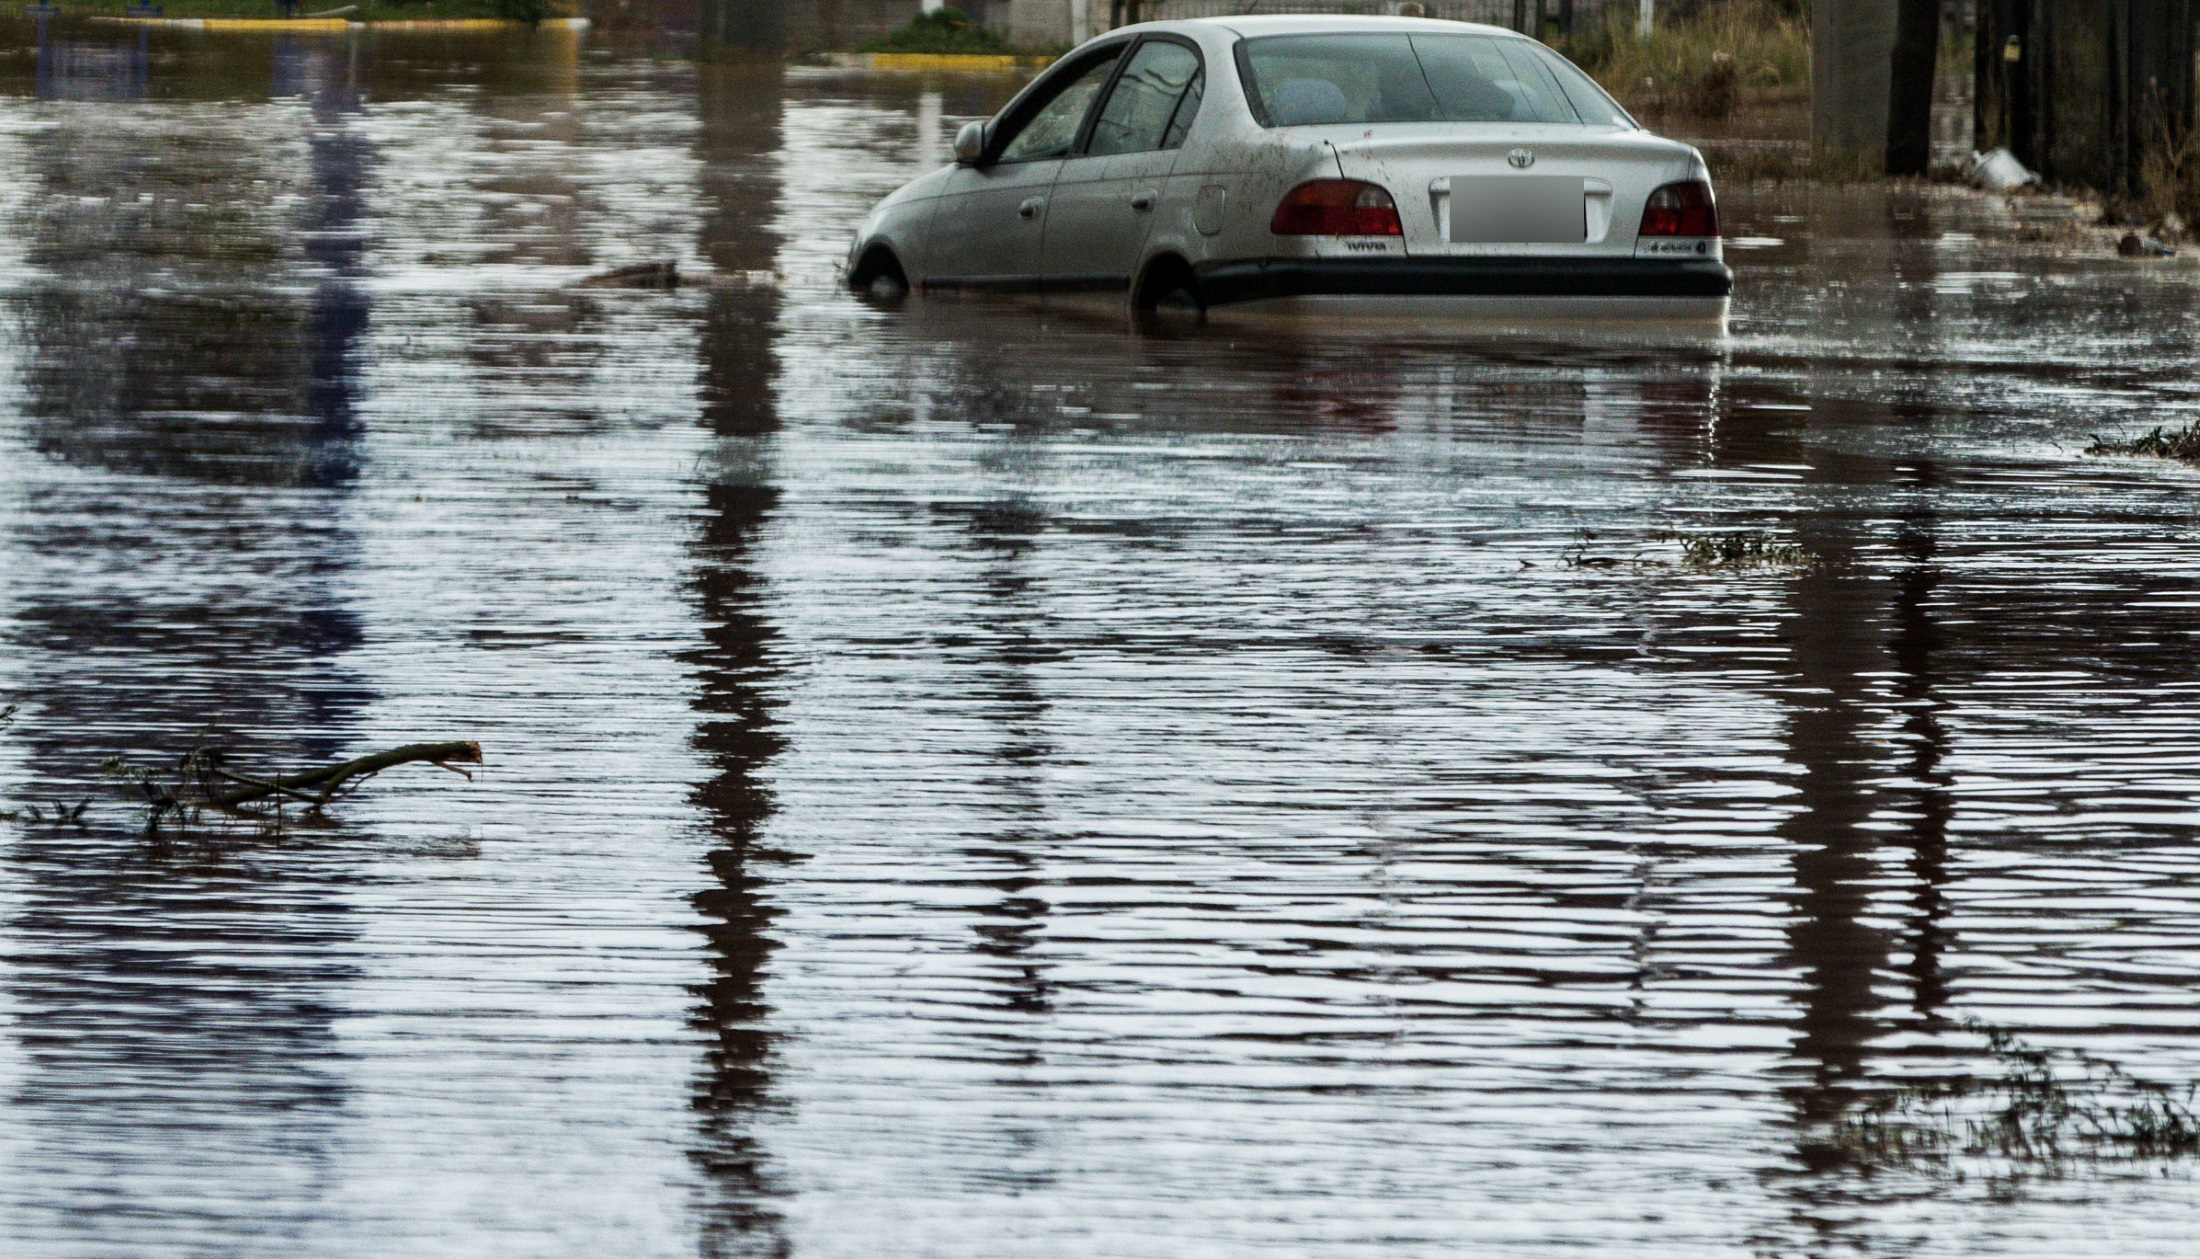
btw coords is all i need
(1310, 80)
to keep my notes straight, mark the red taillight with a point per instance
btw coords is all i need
(1681, 210)
(1336, 207)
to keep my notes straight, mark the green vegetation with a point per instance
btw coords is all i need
(2045, 1108)
(945, 30)
(2181, 444)
(1703, 65)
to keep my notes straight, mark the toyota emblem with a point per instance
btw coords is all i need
(1521, 159)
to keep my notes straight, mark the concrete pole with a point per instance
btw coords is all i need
(1080, 21)
(1852, 63)
(1645, 16)
(1910, 87)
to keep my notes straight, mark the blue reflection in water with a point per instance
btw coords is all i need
(76, 70)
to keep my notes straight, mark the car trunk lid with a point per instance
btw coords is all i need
(1515, 190)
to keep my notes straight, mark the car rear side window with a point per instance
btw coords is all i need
(1053, 129)
(1595, 106)
(1311, 80)
(1141, 110)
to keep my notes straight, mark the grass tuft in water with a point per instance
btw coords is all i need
(2163, 443)
(56, 812)
(1747, 550)
(2046, 1108)
(1751, 549)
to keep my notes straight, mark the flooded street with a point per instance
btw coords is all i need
(965, 780)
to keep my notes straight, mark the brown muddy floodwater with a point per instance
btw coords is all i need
(964, 781)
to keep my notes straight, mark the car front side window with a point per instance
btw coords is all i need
(1140, 113)
(1053, 129)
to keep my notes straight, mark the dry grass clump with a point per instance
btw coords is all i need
(2182, 444)
(1702, 64)
(2169, 171)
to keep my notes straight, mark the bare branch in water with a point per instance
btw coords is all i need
(203, 779)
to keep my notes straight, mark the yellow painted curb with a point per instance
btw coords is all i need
(968, 63)
(337, 25)
(233, 25)
(276, 25)
(472, 24)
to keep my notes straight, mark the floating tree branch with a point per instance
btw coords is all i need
(331, 779)
(204, 780)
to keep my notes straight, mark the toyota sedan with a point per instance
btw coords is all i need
(1394, 164)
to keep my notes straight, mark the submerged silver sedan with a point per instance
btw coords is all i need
(1403, 164)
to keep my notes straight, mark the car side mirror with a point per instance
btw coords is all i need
(970, 144)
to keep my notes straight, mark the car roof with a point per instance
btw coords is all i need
(1251, 25)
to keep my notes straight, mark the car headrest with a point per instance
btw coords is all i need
(1308, 102)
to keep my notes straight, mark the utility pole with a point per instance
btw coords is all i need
(1852, 49)
(1910, 89)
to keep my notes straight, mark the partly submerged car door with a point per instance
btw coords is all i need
(991, 219)
(1102, 205)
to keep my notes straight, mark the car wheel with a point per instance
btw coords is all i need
(878, 276)
(1168, 293)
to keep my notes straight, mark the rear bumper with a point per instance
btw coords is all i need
(1227, 283)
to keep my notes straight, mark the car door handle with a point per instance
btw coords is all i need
(1143, 201)
(1030, 209)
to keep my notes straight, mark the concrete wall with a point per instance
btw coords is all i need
(1041, 23)
(1852, 59)
(773, 27)
(832, 25)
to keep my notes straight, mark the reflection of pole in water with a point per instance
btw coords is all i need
(756, 28)
(931, 152)
(335, 243)
(740, 109)
(1833, 631)
(1008, 532)
(1913, 637)
(1915, 641)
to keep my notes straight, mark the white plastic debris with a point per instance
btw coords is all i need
(2000, 171)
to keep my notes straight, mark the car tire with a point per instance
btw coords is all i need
(878, 276)
(1168, 292)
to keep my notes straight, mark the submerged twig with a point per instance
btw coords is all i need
(2046, 1108)
(640, 275)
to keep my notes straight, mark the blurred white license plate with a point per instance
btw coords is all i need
(1518, 210)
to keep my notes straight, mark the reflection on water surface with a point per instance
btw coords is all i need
(965, 780)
